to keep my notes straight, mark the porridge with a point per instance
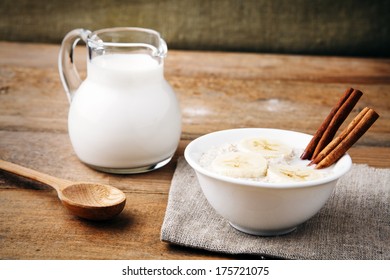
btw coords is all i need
(260, 159)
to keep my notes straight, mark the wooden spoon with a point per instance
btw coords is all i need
(86, 200)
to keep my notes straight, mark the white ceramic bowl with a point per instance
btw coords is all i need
(262, 208)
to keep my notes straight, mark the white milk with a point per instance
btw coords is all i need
(124, 115)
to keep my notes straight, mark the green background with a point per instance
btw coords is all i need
(333, 27)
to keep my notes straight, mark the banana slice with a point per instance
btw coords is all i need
(268, 148)
(240, 165)
(287, 173)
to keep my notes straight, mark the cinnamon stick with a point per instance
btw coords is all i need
(340, 116)
(364, 122)
(339, 138)
(308, 152)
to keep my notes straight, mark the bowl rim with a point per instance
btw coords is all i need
(345, 161)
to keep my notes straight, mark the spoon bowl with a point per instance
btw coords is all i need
(93, 201)
(90, 201)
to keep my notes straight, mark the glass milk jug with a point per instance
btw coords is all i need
(124, 117)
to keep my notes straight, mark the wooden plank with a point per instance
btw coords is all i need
(216, 91)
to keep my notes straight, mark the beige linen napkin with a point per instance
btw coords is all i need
(354, 223)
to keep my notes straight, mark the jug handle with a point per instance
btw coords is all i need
(69, 75)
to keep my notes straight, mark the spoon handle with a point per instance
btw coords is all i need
(54, 182)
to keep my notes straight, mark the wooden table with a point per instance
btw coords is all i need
(216, 91)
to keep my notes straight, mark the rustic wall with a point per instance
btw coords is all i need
(334, 27)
